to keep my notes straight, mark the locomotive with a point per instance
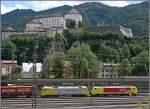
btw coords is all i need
(65, 90)
(114, 90)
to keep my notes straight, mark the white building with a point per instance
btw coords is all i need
(27, 70)
(53, 20)
(73, 14)
(126, 31)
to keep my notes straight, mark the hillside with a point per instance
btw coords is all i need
(133, 16)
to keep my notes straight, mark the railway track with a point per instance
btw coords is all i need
(118, 102)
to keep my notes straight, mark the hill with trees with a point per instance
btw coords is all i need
(134, 16)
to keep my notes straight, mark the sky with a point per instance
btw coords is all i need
(7, 6)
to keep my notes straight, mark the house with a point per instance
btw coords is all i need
(108, 70)
(27, 70)
(110, 29)
(7, 66)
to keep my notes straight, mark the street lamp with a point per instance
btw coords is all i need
(0, 78)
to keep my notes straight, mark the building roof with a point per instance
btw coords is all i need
(9, 29)
(31, 22)
(50, 15)
(73, 11)
(8, 61)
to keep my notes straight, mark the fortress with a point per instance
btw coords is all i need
(55, 20)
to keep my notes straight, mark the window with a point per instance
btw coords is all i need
(106, 69)
(111, 76)
(55, 19)
(114, 76)
(44, 89)
(107, 75)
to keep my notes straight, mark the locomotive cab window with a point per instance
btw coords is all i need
(44, 89)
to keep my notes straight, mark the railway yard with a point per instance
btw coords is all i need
(140, 101)
(108, 102)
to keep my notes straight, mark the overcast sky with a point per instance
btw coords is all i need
(7, 6)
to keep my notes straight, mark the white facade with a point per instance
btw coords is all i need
(51, 22)
(73, 15)
(126, 31)
(27, 70)
(33, 26)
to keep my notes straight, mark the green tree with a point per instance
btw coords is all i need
(80, 24)
(107, 53)
(16, 73)
(8, 50)
(54, 66)
(125, 52)
(141, 64)
(47, 67)
(125, 68)
(135, 49)
(84, 62)
(58, 65)
(70, 23)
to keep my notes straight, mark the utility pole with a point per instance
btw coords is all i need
(0, 67)
(34, 79)
(12, 59)
(149, 65)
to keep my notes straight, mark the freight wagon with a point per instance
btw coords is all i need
(15, 91)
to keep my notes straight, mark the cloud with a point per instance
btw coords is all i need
(116, 3)
(5, 9)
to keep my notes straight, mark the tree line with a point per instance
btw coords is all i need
(84, 50)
